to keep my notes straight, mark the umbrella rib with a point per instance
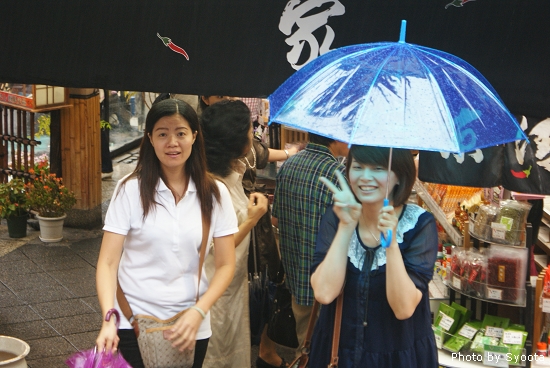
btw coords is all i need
(298, 90)
(472, 109)
(474, 79)
(343, 84)
(445, 108)
(380, 68)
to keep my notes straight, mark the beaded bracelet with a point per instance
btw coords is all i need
(201, 312)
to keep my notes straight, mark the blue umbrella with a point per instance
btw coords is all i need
(395, 94)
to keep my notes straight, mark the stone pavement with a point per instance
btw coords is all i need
(48, 296)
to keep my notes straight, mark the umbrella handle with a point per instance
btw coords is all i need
(385, 241)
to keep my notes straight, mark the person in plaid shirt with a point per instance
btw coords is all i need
(299, 203)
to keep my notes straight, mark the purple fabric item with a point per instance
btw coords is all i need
(93, 359)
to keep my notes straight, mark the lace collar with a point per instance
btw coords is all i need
(408, 220)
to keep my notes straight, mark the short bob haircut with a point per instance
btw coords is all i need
(402, 165)
(225, 126)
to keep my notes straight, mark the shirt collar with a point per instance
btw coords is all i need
(191, 187)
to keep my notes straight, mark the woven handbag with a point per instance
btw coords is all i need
(152, 332)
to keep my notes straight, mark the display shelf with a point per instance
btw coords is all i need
(525, 302)
(483, 292)
(496, 235)
(454, 235)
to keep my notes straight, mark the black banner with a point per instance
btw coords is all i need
(527, 165)
(249, 47)
(480, 168)
(518, 166)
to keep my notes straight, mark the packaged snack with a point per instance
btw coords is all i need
(506, 274)
(510, 220)
(481, 228)
(515, 341)
(465, 314)
(455, 343)
(480, 340)
(474, 283)
(447, 318)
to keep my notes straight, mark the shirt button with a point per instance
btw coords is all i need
(364, 324)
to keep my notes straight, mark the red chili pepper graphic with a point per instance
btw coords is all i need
(168, 43)
(522, 174)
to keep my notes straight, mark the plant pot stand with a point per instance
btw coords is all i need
(51, 228)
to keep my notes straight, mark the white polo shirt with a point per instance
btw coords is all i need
(159, 265)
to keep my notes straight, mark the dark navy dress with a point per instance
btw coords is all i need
(371, 336)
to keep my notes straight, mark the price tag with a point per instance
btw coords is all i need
(512, 337)
(495, 356)
(467, 331)
(457, 283)
(499, 230)
(446, 321)
(494, 331)
(545, 305)
(494, 293)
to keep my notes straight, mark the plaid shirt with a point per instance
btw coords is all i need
(300, 202)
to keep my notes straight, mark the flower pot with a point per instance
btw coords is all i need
(13, 352)
(17, 226)
(51, 228)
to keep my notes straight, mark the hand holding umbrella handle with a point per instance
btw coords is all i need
(385, 241)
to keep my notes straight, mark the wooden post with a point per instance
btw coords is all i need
(81, 156)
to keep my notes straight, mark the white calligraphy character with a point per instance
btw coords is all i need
(293, 15)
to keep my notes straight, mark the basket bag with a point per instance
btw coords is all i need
(156, 351)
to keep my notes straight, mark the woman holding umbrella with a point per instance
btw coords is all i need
(386, 313)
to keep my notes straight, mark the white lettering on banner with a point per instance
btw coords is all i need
(459, 157)
(293, 14)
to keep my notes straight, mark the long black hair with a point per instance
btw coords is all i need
(148, 169)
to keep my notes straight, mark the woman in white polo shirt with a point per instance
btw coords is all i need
(153, 233)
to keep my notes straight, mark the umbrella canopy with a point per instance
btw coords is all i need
(395, 94)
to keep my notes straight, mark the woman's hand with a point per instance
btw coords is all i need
(345, 206)
(257, 207)
(107, 339)
(184, 332)
(292, 151)
(387, 220)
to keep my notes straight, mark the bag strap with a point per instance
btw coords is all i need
(303, 359)
(336, 333)
(123, 302)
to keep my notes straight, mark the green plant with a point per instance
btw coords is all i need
(13, 198)
(43, 125)
(48, 196)
(104, 124)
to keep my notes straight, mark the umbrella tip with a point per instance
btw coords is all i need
(403, 31)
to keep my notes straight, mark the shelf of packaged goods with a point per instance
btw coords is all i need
(454, 235)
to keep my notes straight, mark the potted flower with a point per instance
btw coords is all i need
(14, 207)
(50, 200)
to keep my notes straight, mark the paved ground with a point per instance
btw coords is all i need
(47, 291)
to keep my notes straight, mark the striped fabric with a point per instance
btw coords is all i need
(300, 202)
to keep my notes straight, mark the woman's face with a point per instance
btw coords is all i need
(369, 182)
(172, 140)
